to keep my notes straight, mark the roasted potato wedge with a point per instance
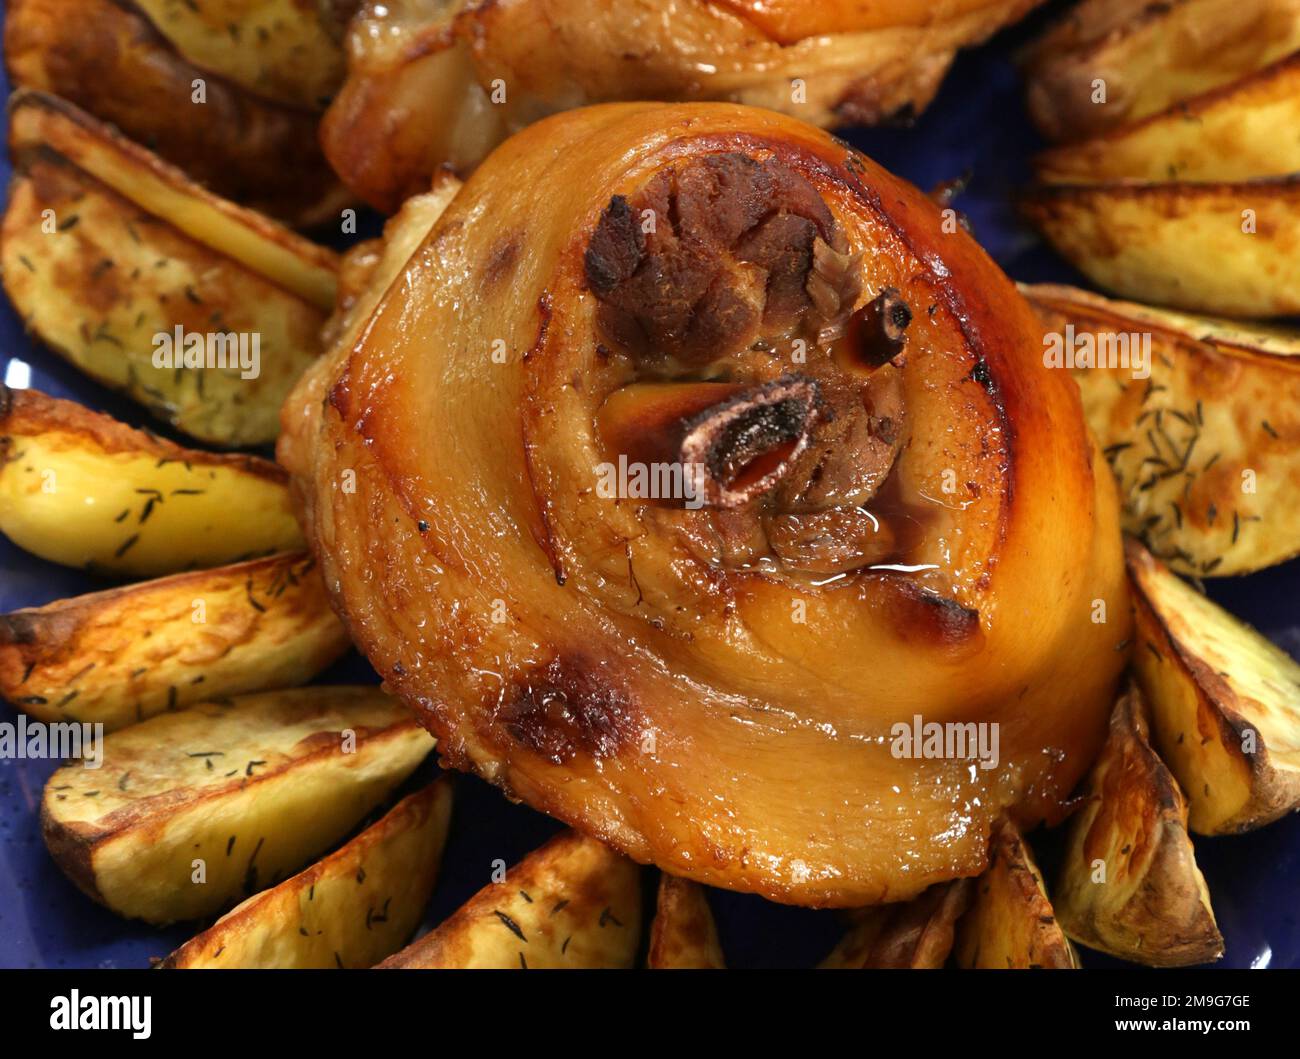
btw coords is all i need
(1205, 449)
(1233, 133)
(1129, 884)
(38, 120)
(914, 934)
(1220, 248)
(203, 312)
(240, 145)
(82, 489)
(683, 934)
(100, 292)
(350, 909)
(1148, 56)
(193, 811)
(117, 657)
(1230, 134)
(1010, 923)
(1225, 703)
(282, 50)
(572, 903)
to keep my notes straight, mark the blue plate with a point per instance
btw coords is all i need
(975, 127)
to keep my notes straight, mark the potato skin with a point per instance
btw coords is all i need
(1227, 134)
(1149, 57)
(103, 318)
(1177, 186)
(653, 689)
(40, 123)
(683, 934)
(107, 250)
(1011, 924)
(913, 935)
(1152, 906)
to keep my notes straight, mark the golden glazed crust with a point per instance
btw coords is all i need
(676, 682)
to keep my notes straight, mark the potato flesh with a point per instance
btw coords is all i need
(350, 909)
(1225, 705)
(114, 278)
(1129, 884)
(1262, 675)
(66, 502)
(1203, 448)
(118, 657)
(271, 47)
(1223, 249)
(1011, 924)
(574, 903)
(251, 787)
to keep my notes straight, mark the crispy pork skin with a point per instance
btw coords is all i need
(895, 515)
(441, 82)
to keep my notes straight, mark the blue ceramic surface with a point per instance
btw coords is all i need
(976, 127)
